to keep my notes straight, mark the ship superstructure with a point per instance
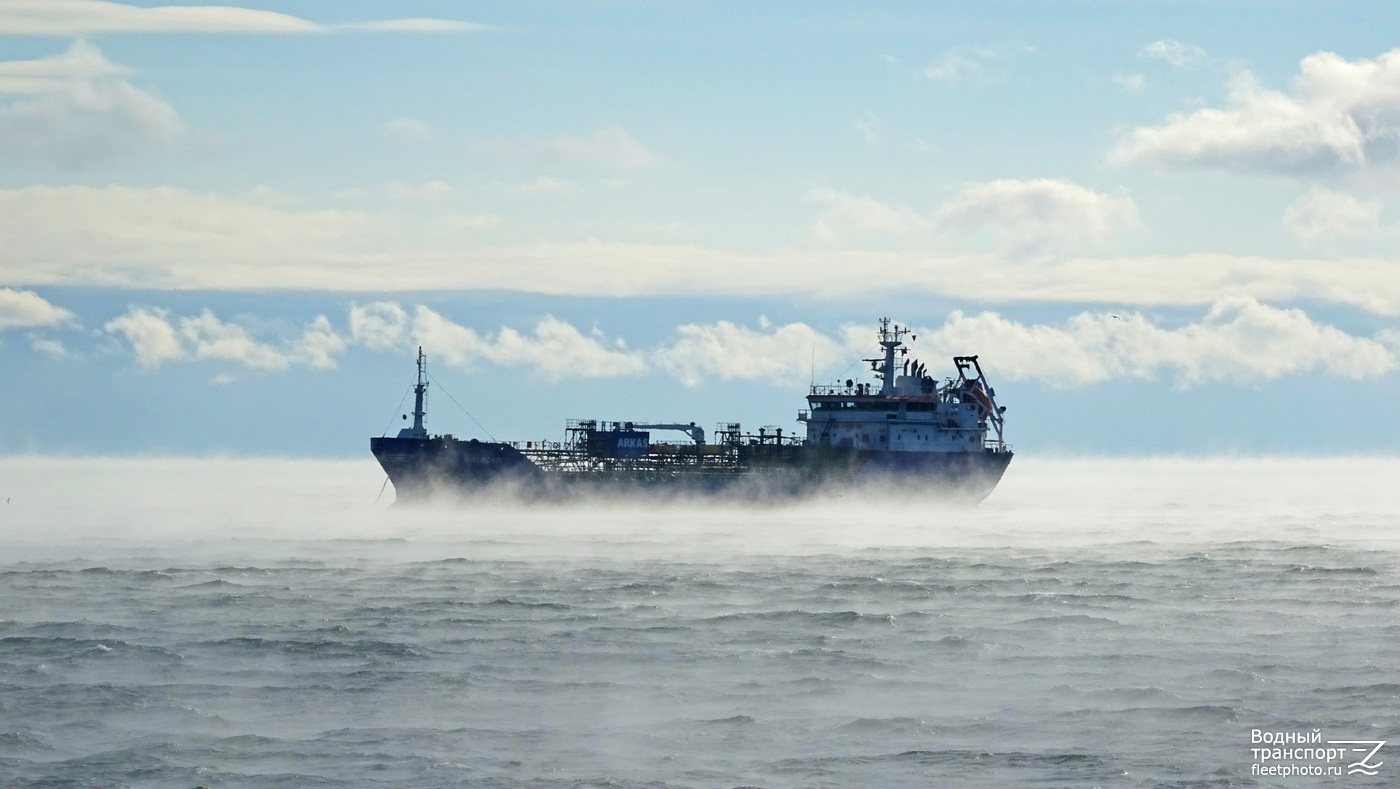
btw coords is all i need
(910, 429)
(910, 412)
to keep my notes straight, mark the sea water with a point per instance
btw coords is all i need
(267, 623)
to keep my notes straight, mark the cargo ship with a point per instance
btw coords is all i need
(906, 429)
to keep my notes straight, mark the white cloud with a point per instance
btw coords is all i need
(430, 191)
(783, 354)
(1132, 83)
(87, 17)
(170, 238)
(155, 339)
(408, 131)
(51, 347)
(860, 213)
(963, 65)
(49, 75)
(1340, 118)
(208, 337)
(1322, 213)
(956, 65)
(1175, 53)
(379, 326)
(141, 235)
(150, 335)
(1039, 209)
(1238, 341)
(610, 146)
(556, 350)
(77, 107)
(546, 185)
(410, 25)
(25, 308)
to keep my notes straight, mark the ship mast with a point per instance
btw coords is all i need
(891, 342)
(418, 390)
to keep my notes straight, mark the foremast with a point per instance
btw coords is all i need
(419, 389)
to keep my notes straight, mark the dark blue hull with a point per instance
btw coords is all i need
(420, 468)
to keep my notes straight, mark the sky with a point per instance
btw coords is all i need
(1164, 227)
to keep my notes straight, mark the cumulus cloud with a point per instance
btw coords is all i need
(1340, 118)
(1238, 341)
(610, 146)
(1041, 209)
(1174, 53)
(27, 309)
(77, 108)
(208, 337)
(379, 326)
(555, 350)
(724, 350)
(156, 339)
(151, 336)
(408, 131)
(1323, 213)
(860, 213)
(89, 17)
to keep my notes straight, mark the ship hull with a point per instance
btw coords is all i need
(424, 468)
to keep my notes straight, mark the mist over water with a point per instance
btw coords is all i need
(1093, 623)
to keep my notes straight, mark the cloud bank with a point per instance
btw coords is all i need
(155, 339)
(174, 238)
(727, 351)
(554, 350)
(1237, 341)
(73, 18)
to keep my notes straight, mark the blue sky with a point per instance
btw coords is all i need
(1165, 227)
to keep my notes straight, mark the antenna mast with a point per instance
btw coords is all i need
(418, 390)
(891, 340)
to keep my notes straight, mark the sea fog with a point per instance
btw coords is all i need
(1095, 622)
